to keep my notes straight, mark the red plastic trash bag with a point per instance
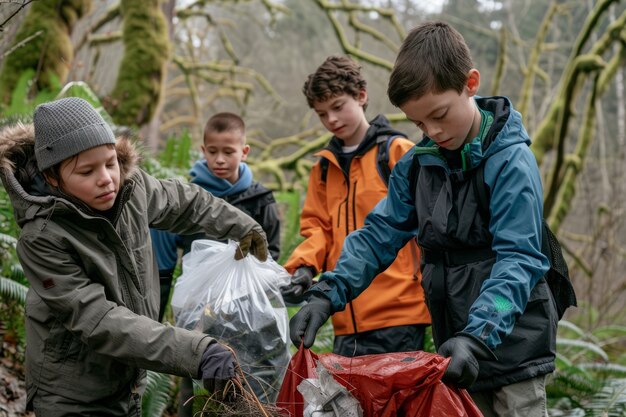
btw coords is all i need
(386, 385)
(301, 367)
(400, 384)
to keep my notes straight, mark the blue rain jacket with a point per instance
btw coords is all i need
(502, 300)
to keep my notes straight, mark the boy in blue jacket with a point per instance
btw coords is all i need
(224, 174)
(483, 274)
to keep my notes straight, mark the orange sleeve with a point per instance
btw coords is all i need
(397, 149)
(315, 226)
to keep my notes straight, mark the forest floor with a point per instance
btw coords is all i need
(12, 385)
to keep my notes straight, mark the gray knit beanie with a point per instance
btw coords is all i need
(66, 127)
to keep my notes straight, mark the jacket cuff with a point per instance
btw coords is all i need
(479, 344)
(310, 268)
(320, 290)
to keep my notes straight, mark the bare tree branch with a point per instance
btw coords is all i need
(22, 43)
(12, 15)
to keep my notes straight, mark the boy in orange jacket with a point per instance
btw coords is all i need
(344, 185)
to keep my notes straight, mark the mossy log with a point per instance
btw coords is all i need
(51, 53)
(566, 190)
(146, 53)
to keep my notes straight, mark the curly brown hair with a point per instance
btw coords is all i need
(337, 75)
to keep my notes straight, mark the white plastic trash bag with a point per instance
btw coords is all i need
(238, 303)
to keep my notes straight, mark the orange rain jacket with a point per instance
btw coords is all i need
(336, 207)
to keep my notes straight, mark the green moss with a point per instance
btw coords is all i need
(146, 44)
(50, 52)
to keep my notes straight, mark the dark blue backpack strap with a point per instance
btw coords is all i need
(382, 159)
(482, 192)
(414, 172)
(324, 167)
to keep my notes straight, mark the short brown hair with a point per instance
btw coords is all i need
(224, 122)
(433, 58)
(337, 75)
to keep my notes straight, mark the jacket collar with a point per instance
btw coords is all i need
(24, 183)
(379, 126)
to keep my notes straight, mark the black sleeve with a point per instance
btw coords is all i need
(269, 221)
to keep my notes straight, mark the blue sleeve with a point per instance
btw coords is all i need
(371, 249)
(165, 249)
(516, 208)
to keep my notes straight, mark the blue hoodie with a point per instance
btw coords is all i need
(245, 194)
(219, 187)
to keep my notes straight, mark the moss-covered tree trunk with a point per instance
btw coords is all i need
(146, 50)
(42, 45)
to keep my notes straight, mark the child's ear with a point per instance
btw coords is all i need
(244, 151)
(362, 97)
(473, 82)
(52, 181)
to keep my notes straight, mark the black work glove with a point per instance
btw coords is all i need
(253, 242)
(217, 367)
(308, 320)
(465, 351)
(301, 280)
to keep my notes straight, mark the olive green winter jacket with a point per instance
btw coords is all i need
(94, 287)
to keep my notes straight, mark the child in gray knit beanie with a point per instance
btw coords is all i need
(70, 127)
(66, 127)
(84, 245)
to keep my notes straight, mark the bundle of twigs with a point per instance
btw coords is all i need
(237, 399)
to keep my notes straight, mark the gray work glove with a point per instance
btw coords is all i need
(301, 280)
(217, 367)
(465, 350)
(307, 321)
(253, 242)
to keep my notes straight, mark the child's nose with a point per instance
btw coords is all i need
(104, 178)
(433, 130)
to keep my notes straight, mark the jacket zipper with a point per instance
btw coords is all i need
(347, 210)
(125, 290)
(352, 314)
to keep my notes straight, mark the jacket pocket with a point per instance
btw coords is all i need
(535, 329)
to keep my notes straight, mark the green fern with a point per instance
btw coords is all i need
(582, 347)
(7, 240)
(21, 103)
(567, 329)
(19, 98)
(589, 379)
(17, 274)
(12, 290)
(174, 160)
(610, 369)
(157, 395)
(289, 206)
(82, 90)
(178, 152)
(155, 168)
(183, 156)
(610, 401)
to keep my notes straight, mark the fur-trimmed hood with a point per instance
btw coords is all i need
(23, 180)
